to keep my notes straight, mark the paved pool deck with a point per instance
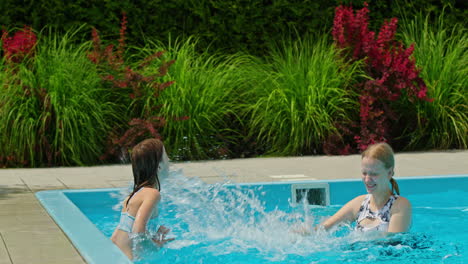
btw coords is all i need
(28, 235)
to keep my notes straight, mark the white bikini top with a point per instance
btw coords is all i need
(127, 220)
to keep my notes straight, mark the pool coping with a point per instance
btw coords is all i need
(96, 248)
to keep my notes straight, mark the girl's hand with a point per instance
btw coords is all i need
(160, 238)
(301, 230)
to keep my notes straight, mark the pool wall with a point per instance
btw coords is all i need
(64, 207)
(342, 191)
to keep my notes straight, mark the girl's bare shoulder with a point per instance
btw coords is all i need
(401, 204)
(359, 199)
(152, 193)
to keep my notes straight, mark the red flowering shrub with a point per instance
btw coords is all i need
(395, 77)
(115, 72)
(132, 89)
(20, 45)
(138, 129)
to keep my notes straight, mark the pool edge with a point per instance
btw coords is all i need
(89, 241)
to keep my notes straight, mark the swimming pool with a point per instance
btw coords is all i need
(251, 223)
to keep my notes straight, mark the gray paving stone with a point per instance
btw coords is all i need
(17, 197)
(4, 256)
(12, 195)
(33, 220)
(19, 209)
(11, 183)
(42, 182)
(40, 246)
(120, 184)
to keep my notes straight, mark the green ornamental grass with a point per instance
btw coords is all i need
(206, 90)
(19, 115)
(441, 53)
(298, 94)
(54, 111)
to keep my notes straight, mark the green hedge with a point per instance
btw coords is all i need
(224, 24)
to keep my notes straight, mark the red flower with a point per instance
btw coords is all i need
(19, 46)
(422, 93)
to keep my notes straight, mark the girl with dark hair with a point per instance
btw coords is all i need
(149, 163)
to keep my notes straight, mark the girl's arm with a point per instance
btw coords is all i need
(347, 213)
(400, 220)
(151, 198)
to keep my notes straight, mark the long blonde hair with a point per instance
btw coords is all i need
(383, 152)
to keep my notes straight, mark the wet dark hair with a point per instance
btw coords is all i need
(145, 157)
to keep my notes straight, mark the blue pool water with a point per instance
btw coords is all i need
(252, 223)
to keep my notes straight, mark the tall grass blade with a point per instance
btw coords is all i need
(206, 90)
(55, 112)
(441, 52)
(298, 95)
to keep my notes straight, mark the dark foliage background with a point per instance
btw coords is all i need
(229, 25)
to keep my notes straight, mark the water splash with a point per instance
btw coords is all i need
(228, 218)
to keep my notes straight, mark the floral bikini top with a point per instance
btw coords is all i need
(383, 214)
